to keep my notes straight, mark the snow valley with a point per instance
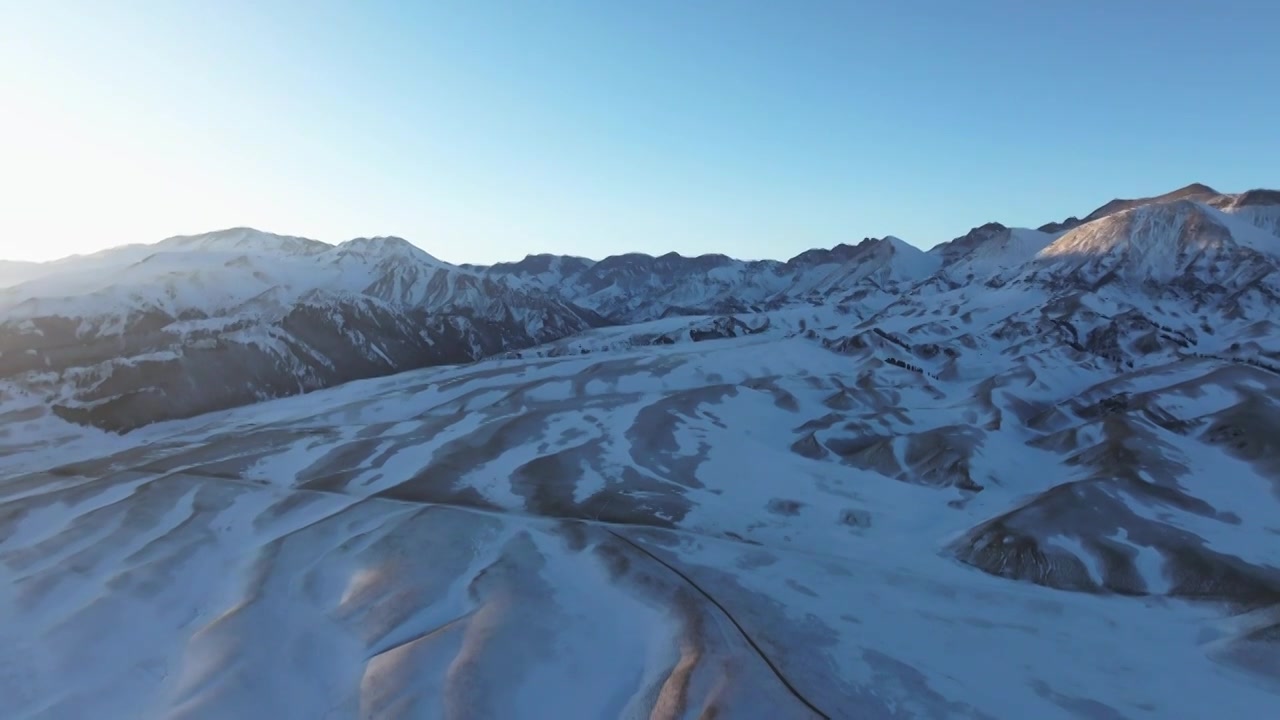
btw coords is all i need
(1025, 473)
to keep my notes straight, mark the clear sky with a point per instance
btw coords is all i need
(489, 130)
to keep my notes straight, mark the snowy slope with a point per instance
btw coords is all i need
(755, 526)
(1025, 474)
(1197, 192)
(875, 268)
(1180, 243)
(1259, 207)
(542, 272)
(996, 256)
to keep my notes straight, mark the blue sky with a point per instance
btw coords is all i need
(489, 130)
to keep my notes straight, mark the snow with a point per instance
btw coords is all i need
(242, 240)
(220, 274)
(1266, 217)
(835, 569)
(608, 527)
(1074, 547)
(911, 261)
(1199, 400)
(1002, 255)
(1160, 241)
(1150, 564)
(1258, 235)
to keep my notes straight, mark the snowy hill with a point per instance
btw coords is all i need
(1028, 473)
(200, 323)
(1262, 202)
(752, 523)
(1178, 241)
(986, 254)
(875, 267)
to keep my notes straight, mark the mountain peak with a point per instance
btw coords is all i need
(387, 246)
(243, 240)
(1057, 227)
(901, 259)
(898, 244)
(1256, 197)
(818, 256)
(1195, 189)
(1120, 205)
(953, 250)
(1158, 241)
(890, 241)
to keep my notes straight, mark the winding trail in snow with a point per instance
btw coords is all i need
(743, 631)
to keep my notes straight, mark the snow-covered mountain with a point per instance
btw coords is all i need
(986, 254)
(874, 269)
(193, 324)
(636, 287)
(146, 332)
(1160, 243)
(1028, 473)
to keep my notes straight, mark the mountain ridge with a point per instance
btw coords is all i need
(1252, 196)
(299, 314)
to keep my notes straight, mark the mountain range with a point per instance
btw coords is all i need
(1024, 473)
(144, 333)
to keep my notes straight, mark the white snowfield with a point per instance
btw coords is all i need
(1035, 475)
